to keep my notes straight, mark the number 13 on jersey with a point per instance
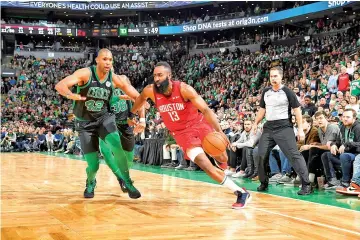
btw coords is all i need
(174, 116)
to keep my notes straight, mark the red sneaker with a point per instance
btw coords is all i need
(242, 200)
(353, 189)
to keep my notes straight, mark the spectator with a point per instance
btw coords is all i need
(353, 104)
(309, 107)
(344, 80)
(328, 133)
(333, 82)
(3, 133)
(323, 103)
(311, 138)
(213, 103)
(57, 139)
(40, 141)
(355, 85)
(343, 151)
(12, 137)
(242, 149)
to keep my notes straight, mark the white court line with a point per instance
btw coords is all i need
(276, 213)
(307, 221)
(266, 193)
(271, 212)
(218, 185)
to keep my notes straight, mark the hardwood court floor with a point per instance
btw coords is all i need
(42, 199)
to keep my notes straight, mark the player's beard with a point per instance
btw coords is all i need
(163, 86)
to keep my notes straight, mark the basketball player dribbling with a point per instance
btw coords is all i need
(178, 104)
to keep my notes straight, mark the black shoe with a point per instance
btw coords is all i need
(253, 175)
(263, 187)
(173, 165)
(249, 175)
(305, 190)
(131, 190)
(166, 165)
(89, 190)
(122, 185)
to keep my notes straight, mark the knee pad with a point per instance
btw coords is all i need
(194, 152)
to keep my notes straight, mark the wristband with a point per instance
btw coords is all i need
(142, 120)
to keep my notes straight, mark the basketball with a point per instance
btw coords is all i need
(214, 144)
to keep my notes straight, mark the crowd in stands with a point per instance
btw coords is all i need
(32, 107)
(262, 35)
(323, 72)
(154, 20)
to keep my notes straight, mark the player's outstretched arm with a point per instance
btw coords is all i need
(123, 82)
(79, 77)
(141, 99)
(190, 94)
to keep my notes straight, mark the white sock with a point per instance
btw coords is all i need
(227, 182)
(311, 177)
(297, 178)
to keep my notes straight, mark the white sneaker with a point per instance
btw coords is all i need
(238, 174)
(293, 183)
(49, 150)
(275, 178)
(285, 179)
(229, 172)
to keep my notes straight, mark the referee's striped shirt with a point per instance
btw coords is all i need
(278, 104)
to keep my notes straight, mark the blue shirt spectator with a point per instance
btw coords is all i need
(12, 82)
(41, 137)
(212, 66)
(332, 83)
(58, 136)
(3, 133)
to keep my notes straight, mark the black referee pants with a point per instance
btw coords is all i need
(285, 138)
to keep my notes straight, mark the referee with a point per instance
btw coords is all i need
(276, 103)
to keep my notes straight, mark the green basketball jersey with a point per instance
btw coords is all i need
(355, 87)
(119, 106)
(98, 95)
